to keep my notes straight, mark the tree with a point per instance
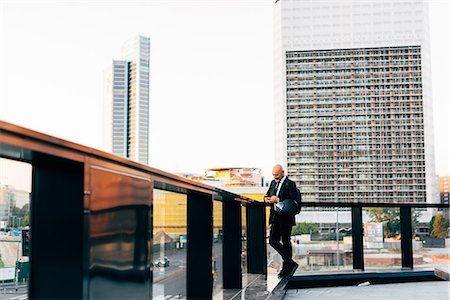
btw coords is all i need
(439, 226)
(20, 216)
(390, 216)
(26, 219)
(305, 228)
(25, 211)
(416, 213)
(431, 225)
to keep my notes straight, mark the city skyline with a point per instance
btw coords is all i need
(212, 78)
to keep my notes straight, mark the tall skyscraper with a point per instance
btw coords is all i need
(353, 106)
(127, 94)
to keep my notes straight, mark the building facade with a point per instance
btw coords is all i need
(127, 99)
(12, 206)
(444, 189)
(353, 107)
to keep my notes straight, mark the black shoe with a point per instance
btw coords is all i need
(292, 267)
(282, 273)
(284, 270)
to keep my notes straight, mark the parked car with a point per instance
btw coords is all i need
(162, 262)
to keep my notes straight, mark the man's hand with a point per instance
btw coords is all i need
(273, 199)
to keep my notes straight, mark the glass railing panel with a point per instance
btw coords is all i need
(169, 244)
(382, 238)
(15, 233)
(119, 237)
(244, 240)
(217, 266)
(431, 238)
(321, 239)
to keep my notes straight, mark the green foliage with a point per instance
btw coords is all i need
(391, 216)
(305, 228)
(20, 216)
(431, 225)
(440, 225)
(25, 210)
(415, 218)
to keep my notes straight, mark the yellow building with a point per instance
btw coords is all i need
(170, 215)
(229, 177)
(170, 212)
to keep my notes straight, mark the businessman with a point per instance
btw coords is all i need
(282, 188)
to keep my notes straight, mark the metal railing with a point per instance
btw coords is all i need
(91, 222)
(357, 229)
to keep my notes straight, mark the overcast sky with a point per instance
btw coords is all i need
(211, 75)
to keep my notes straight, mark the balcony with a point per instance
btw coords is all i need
(104, 227)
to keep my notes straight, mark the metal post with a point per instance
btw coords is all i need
(256, 242)
(337, 237)
(52, 179)
(232, 227)
(199, 283)
(406, 235)
(16, 280)
(357, 238)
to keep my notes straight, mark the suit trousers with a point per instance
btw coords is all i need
(281, 230)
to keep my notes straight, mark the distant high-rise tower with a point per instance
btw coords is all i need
(127, 97)
(353, 106)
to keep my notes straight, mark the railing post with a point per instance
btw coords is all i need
(57, 239)
(256, 242)
(232, 226)
(199, 283)
(406, 237)
(357, 238)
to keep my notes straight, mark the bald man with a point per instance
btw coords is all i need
(280, 189)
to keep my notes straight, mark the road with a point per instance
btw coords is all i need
(8, 291)
(168, 283)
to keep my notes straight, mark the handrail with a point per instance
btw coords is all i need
(77, 165)
(98, 192)
(21, 137)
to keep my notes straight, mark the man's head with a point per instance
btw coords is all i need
(277, 172)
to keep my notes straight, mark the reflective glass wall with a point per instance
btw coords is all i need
(169, 244)
(217, 263)
(119, 233)
(244, 240)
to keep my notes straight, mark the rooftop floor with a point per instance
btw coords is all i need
(260, 287)
(399, 291)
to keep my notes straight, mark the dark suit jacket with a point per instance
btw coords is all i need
(288, 191)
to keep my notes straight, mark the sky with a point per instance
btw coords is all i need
(211, 68)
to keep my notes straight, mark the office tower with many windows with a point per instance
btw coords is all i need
(127, 97)
(353, 107)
